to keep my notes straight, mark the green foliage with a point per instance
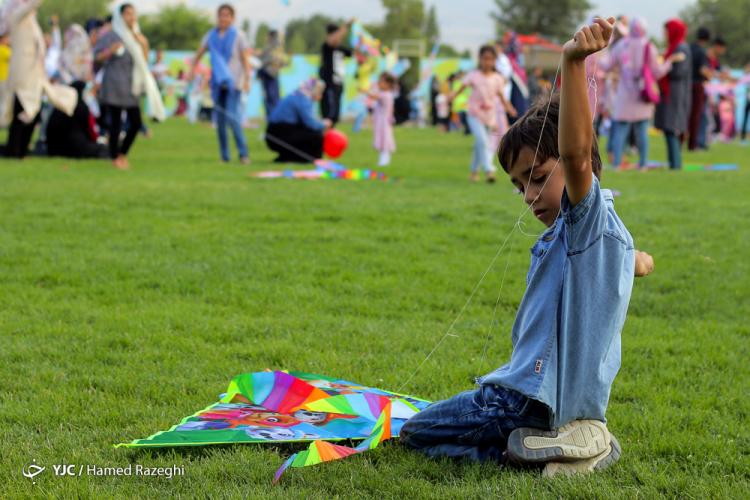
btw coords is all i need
(556, 19)
(71, 11)
(404, 19)
(431, 26)
(723, 18)
(175, 27)
(261, 35)
(309, 33)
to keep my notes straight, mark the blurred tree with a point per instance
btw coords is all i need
(404, 19)
(723, 18)
(308, 33)
(71, 11)
(261, 35)
(296, 44)
(246, 28)
(431, 26)
(556, 19)
(175, 27)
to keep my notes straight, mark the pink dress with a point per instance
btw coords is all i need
(482, 103)
(382, 122)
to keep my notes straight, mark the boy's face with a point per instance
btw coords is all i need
(544, 184)
(224, 19)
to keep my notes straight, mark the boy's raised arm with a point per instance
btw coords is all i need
(576, 132)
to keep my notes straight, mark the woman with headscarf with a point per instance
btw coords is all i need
(74, 136)
(123, 52)
(630, 109)
(77, 58)
(27, 80)
(293, 130)
(674, 107)
(519, 90)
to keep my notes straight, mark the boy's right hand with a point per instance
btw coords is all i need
(589, 39)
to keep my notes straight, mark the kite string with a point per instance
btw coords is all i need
(592, 87)
(497, 254)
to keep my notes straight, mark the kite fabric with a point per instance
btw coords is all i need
(697, 167)
(288, 407)
(324, 169)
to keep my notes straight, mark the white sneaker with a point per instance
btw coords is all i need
(610, 456)
(577, 440)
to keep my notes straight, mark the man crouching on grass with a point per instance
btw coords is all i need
(547, 404)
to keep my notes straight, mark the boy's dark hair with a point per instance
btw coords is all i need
(330, 28)
(125, 7)
(526, 132)
(108, 19)
(719, 40)
(487, 48)
(389, 78)
(225, 6)
(703, 34)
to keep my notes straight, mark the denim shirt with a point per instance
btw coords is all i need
(566, 336)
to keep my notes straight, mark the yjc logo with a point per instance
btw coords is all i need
(32, 471)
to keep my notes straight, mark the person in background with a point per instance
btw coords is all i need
(4, 63)
(443, 107)
(293, 131)
(332, 70)
(717, 49)
(77, 58)
(630, 110)
(74, 136)
(486, 88)
(53, 41)
(519, 91)
(230, 77)
(116, 94)
(272, 60)
(159, 69)
(672, 110)
(366, 66)
(382, 118)
(27, 80)
(746, 115)
(459, 105)
(701, 73)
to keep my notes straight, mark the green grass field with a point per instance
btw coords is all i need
(130, 299)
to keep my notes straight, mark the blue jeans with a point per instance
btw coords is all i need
(474, 424)
(620, 135)
(482, 155)
(270, 91)
(673, 150)
(227, 112)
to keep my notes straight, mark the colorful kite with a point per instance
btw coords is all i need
(324, 169)
(284, 407)
(362, 41)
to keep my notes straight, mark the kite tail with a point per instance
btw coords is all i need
(323, 451)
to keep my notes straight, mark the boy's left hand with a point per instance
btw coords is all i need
(589, 39)
(644, 264)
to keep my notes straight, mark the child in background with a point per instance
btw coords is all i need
(382, 118)
(726, 116)
(443, 107)
(486, 89)
(459, 103)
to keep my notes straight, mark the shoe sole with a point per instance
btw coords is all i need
(578, 440)
(608, 459)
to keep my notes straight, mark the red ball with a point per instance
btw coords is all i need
(334, 143)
